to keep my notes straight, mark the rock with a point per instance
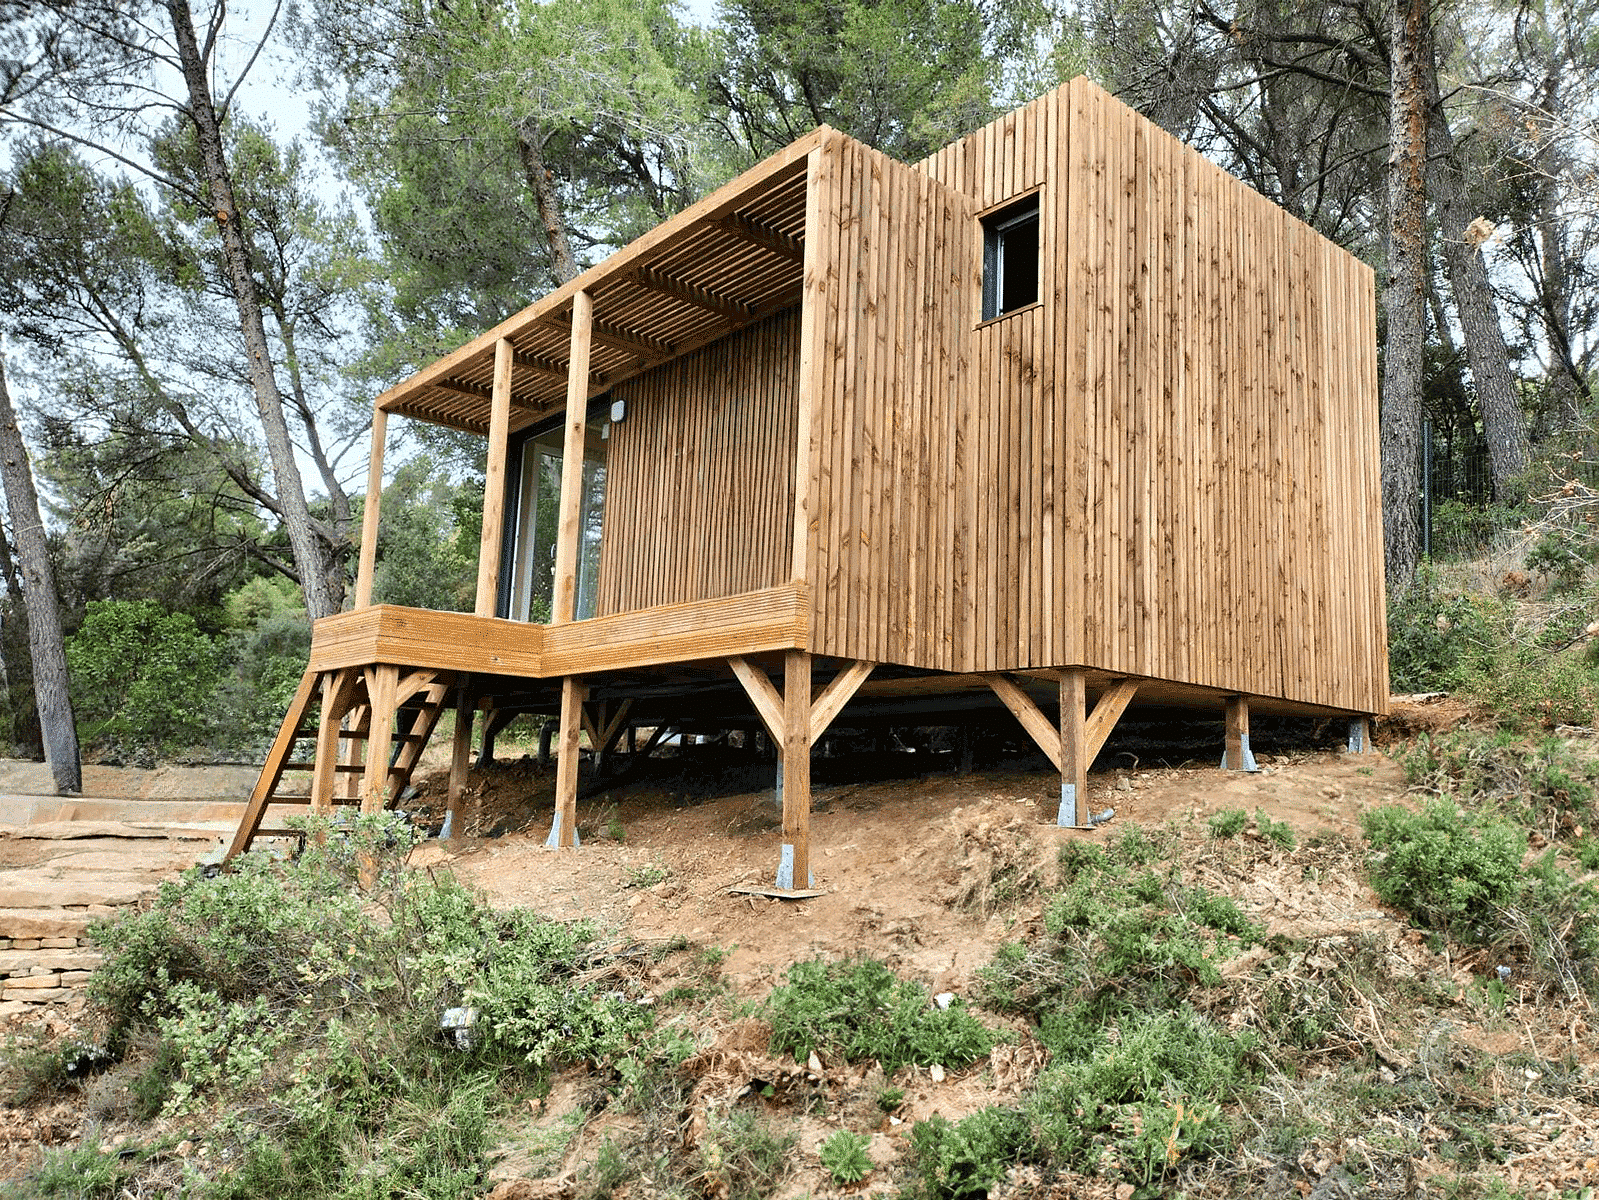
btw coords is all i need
(42, 923)
(43, 995)
(32, 982)
(19, 961)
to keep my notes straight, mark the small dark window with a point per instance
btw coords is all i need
(1010, 258)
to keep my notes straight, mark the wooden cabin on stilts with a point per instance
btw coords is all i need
(1063, 419)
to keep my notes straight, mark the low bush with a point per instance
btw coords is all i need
(964, 1160)
(1144, 938)
(1463, 875)
(284, 993)
(1448, 870)
(844, 1155)
(860, 1011)
(1438, 637)
(1138, 1103)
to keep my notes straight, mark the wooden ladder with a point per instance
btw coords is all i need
(359, 717)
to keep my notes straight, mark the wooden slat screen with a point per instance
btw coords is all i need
(700, 476)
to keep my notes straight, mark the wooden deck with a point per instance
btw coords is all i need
(751, 623)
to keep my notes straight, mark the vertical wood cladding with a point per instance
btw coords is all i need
(892, 290)
(699, 474)
(1176, 450)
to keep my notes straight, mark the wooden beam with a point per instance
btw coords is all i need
(1074, 752)
(1038, 726)
(488, 563)
(462, 388)
(563, 833)
(688, 293)
(369, 511)
(382, 683)
(568, 531)
(768, 704)
(837, 694)
(626, 339)
(613, 727)
(763, 236)
(338, 687)
(1108, 709)
(460, 760)
(1238, 756)
(537, 362)
(414, 683)
(794, 865)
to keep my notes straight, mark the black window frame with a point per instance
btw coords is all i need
(1005, 233)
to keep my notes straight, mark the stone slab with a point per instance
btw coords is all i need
(39, 995)
(43, 922)
(18, 891)
(14, 962)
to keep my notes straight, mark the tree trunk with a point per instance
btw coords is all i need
(1405, 291)
(60, 734)
(269, 400)
(549, 204)
(1504, 426)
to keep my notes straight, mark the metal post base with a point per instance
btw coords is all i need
(785, 870)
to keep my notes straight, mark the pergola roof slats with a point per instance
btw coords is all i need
(724, 262)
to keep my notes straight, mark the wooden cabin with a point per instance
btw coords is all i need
(1063, 418)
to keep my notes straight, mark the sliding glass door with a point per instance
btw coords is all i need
(537, 509)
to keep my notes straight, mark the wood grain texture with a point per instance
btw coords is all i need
(1173, 449)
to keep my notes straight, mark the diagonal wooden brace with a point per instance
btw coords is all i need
(794, 720)
(1075, 741)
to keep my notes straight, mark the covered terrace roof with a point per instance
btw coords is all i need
(731, 259)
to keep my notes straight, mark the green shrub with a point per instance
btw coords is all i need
(1278, 833)
(1528, 688)
(284, 993)
(1448, 870)
(84, 1172)
(1146, 938)
(1461, 530)
(844, 1155)
(1140, 1102)
(964, 1160)
(860, 1010)
(1545, 782)
(1228, 823)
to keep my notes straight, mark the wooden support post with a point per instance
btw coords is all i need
(336, 689)
(369, 512)
(1077, 737)
(488, 561)
(563, 833)
(568, 529)
(357, 725)
(460, 761)
(1074, 750)
(1237, 756)
(794, 864)
(382, 684)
